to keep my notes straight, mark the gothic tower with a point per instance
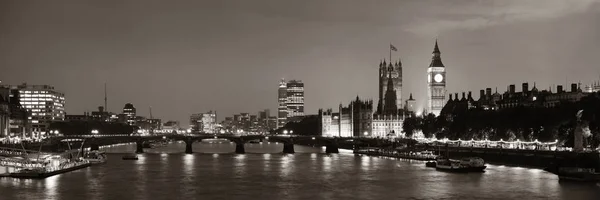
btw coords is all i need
(390, 105)
(436, 83)
(393, 72)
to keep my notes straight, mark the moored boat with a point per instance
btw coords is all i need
(578, 174)
(463, 165)
(96, 157)
(38, 173)
(130, 157)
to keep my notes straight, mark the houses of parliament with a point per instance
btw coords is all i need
(359, 118)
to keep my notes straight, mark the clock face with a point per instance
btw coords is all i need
(438, 78)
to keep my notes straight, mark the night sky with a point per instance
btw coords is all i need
(183, 57)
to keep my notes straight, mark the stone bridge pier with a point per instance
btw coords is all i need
(188, 145)
(288, 147)
(239, 145)
(332, 146)
(139, 146)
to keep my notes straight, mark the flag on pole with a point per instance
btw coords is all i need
(393, 48)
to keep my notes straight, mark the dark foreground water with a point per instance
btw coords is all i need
(167, 173)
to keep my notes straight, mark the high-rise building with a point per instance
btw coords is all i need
(282, 111)
(290, 101)
(129, 112)
(295, 98)
(436, 83)
(45, 105)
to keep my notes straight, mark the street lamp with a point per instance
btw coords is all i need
(285, 132)
(291, 132)
(95, 132)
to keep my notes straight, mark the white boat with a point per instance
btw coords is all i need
(96, 157)
(472, 164)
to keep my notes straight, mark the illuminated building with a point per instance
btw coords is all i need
(45, 105)
(129, 112)
(290, 101)
(282, 111)
(204, 122)
(436, 83)
(295, 98)
(410, 105)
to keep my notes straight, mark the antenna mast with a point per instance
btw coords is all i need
(105, 99)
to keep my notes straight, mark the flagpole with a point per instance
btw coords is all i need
(390, 52)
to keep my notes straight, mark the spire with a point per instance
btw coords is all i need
(411, 98)
(436, 60)
(400, 62)
(436, 49)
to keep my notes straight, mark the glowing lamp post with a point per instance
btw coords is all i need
(285, 132)
(95, 132)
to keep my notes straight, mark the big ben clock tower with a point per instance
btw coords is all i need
(436, 83)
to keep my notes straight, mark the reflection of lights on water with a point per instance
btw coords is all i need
(240, 157)
(313, 155)
(267, 156)
(215, 155)
(188, 162)
(365, 162)
(51, 186)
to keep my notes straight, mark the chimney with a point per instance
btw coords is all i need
(574, 87)
(559, 89)
(481, 94)
(511, 89)
(488, 92)
(463, 96)
(450, 99)
(525, 87)
(101, 109)
(455, 96)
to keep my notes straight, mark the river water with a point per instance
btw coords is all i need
(263, 173)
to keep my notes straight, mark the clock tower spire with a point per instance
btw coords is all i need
(436, 82)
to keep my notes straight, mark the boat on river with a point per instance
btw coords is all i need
(469, 164)
(579, 174)
(51, 169)
(130, 157)
(96, 157)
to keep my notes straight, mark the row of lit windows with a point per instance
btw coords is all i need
(36, 106)
(38, 95)
(34, 92)
(37, 99)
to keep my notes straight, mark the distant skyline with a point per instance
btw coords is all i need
(182, 57)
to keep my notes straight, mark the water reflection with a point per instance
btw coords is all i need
(286, 167)
(188, 163)
(51, 187)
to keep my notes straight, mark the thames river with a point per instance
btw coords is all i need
(263, 173)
